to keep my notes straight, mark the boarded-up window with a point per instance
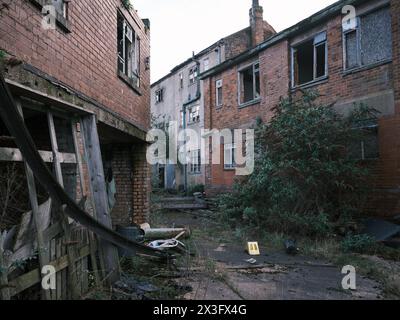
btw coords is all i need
(371, 40)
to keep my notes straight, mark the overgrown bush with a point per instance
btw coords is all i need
(358, 243)
(304, 180)
(196, 188)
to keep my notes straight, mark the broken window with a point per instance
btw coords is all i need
(193, 73)
(61, 7)
(229, 156)
(128, 51)
(310, 60)
(195, 161)
(194, 114)
(370, 41)
(219, 93)
(249, 79)
(160, 95)
(367, 148)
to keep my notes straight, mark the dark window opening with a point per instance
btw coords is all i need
(367, 147)
(309, 60)
(159, 95)
(250, 83)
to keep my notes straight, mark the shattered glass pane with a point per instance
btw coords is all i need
(376, 37)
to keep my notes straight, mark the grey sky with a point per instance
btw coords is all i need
(179, 27)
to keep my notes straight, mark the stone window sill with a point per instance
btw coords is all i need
(310, 84)
(249, 103)
(366, 67)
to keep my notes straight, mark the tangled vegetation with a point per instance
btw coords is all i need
(305, 181)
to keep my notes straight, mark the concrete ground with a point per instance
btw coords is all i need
(220, 270)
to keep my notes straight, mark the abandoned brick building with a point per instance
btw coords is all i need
(346, 65)
(85, 59)
(179, 96)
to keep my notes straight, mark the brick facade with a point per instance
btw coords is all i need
(376, 85)
(79, 66)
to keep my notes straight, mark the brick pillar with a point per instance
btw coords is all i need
(141, 184)
(395, 9)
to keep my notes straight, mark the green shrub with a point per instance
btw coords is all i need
(196, 188)
(358, 243)
(305, 180)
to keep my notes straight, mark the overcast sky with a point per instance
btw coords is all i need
(179, 27)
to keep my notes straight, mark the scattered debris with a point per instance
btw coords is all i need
(251, 261)
(221, 248)
(291, 247)
(164, 233)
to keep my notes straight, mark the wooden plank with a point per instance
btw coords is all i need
(65, 223)
(83, 189)
(42, 248)
(33, 277)
(108, 252)
(15, 155)
(185, 206)
(4, 289)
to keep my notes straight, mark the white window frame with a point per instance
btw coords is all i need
(321, 38)
(195, 161)
(255, 70)
(230, 164)
(218, 86)
(194, 114)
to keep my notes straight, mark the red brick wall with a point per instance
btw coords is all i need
(141, 184)
(86, 58)
(339, 87)
(274, 84)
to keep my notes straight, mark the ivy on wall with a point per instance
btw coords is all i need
(127, 4)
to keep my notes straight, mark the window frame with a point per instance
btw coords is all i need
(132, 75)
(193, 74)
(190, 114)
(315, 45)
(218, 86)
(254, 71)
(231, 147)
(206, 66)
(195, 166)
(159, 95)
(357, 29)
(62, 19)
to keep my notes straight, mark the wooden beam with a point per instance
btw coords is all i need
(108, 252)
(82, 181)
(65, 223)
(14, 155)
(43, 250)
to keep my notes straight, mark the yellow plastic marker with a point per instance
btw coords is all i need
(253, 249)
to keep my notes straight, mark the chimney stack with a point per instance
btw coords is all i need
(257, 23)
